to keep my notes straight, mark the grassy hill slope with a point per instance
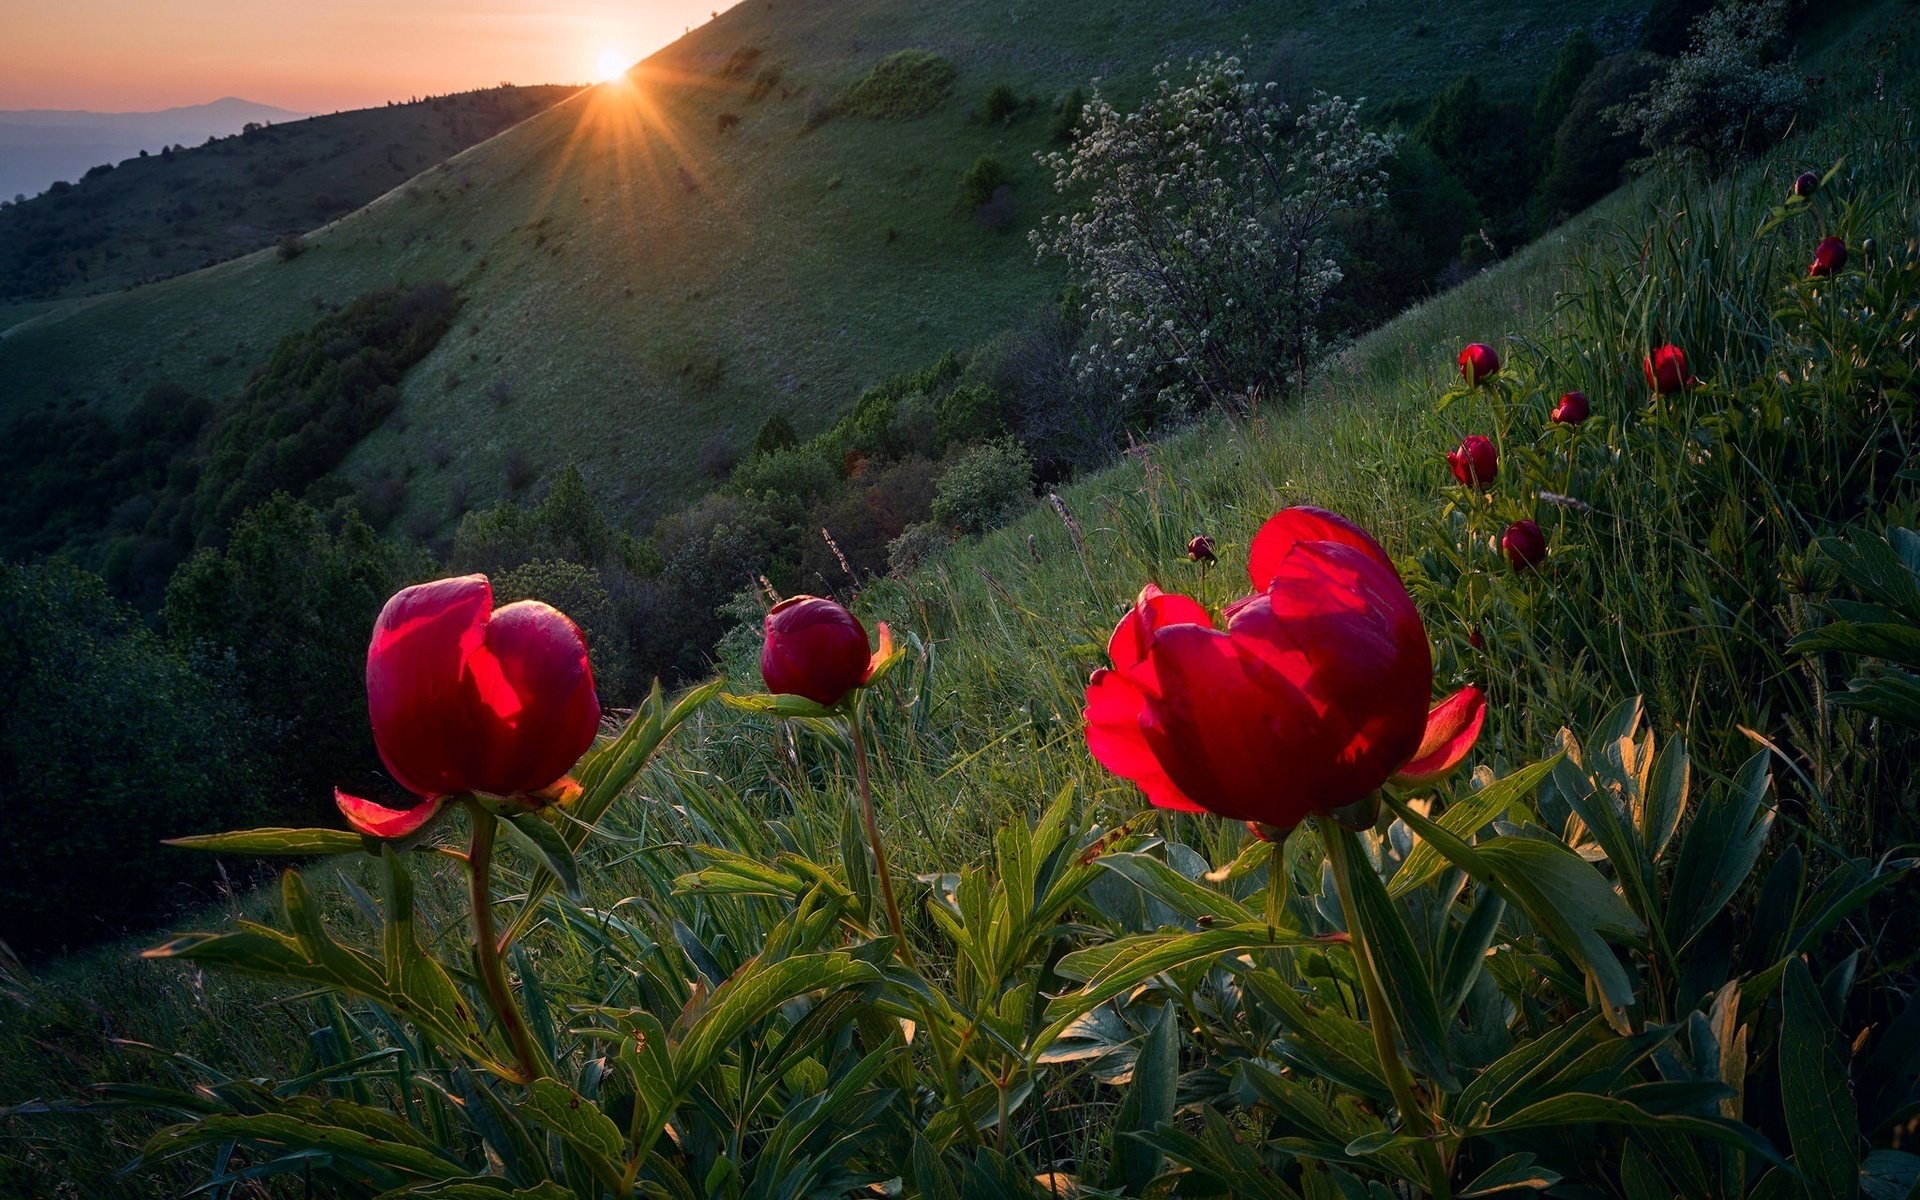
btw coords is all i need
(166, 213)
(637, 279)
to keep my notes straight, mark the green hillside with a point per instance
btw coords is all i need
(181, 209)
(641, 274)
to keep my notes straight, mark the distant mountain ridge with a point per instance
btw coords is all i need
(41, 146)
(172, 211)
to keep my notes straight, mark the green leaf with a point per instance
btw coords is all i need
(1148, 1105)
(1513, 1171)
(1579, 1108)
(779, 706)
(578, 1122)
(539, 839)
(1118, 966)
(752, 992)
(291, 1132)
(1190, 899)
(298, 843)
(1560, 893)
(1719, 849)
(1814, 1094)
(1383, 935)
(1425, 862)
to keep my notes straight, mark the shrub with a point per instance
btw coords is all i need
(776, 433)
(1728, 94)
(796, 473)
(864, 520)
(984, 487)
(289, 247)
(980, 180)
(916, 546)
(908, 83)
(1001, 106)
(1201, 267)
(727, 122)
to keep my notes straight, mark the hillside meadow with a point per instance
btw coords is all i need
(632, 260)
(1701, 986)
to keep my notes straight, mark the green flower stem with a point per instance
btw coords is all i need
(486, 947)
(1276, 876)
(873, 839)
(1341, 852)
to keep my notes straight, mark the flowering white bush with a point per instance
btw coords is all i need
(1204, 244)
(1724, 94)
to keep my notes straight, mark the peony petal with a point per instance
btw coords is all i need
(1303, 523)
(416, 697)
(377, 820)
(1153, 610)
(1452, 729)
(1114, 738)
(532, 698)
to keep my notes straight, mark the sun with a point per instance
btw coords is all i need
(611, 64)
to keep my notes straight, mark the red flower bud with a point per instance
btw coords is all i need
(465, 698)
(1806, 184)
(1524, 545)
(1572, 409)
(817, 649)
(1313, 695)
(1475, 638)
(1476, 463)
(1200, 549)
(1666, 370)
(1477, 362)
(1828, 257)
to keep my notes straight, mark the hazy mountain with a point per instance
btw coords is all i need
(39, 146)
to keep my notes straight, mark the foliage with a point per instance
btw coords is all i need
(1486, 146)
(1002, 105)
(906, 83)
(1881, 631)
(1589, 155)
(286, 606)
(109, 742)
(318, 394)
(1729, 93)
(983, 487)
(979, 182)
(1204, 240)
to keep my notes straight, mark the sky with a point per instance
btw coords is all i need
(315, 55)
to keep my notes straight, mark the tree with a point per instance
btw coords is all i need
(1204, 243)
(1732, 91)
(290, 604)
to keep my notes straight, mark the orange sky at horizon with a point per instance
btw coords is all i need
(315, 55)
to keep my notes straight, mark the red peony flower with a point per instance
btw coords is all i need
(1572, 409)
(1806, 184)
(1666, 370)
(1478, 362)
(465, 698)
(817, 649)
(1476, 463)
(1524, 545)
(1828, 257)
(1200, 549)
(1312, 697)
